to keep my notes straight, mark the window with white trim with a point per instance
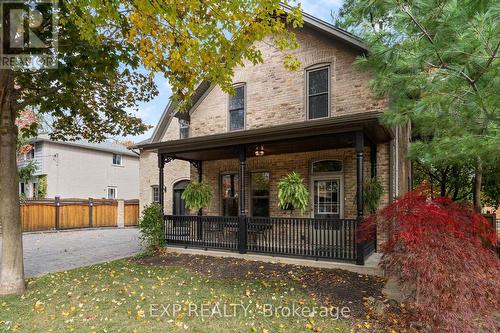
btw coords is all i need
(155, 193)
(237, 109)
(318, 92)
(112, 193)
(117, 159)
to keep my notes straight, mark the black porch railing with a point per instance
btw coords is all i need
(299, 237)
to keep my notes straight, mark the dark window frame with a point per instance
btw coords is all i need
(327, 160)
(235, 189)
(252, 196)
(244, 108)
(328, 91)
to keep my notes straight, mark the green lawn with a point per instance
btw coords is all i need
(123, 296)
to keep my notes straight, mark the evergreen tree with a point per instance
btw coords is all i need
(437, 60)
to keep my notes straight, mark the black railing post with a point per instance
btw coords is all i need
(58, 210)
(373, 164)
(360, 144)
(161, 182)
(199, 222)
(242, 220)
(91, 206)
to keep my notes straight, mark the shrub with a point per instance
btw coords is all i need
(197, 196)
(441, 254)
(292, 193)
(151, 227)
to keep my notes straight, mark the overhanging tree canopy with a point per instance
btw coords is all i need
(102, 47)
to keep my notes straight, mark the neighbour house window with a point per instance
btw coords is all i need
(230, 185)
(237, 109)
(112, 194)
(31, 153)
(22, 189)
(260, 194)
(318, 92)
(117, 159)
(155, 193)
(183, 130)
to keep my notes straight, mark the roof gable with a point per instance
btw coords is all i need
(310, 21)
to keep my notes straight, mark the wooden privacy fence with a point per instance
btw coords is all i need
(58, 214)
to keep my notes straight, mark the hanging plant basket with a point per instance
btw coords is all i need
(292, 193)
(197, 196)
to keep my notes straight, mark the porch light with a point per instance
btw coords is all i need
(259, 150)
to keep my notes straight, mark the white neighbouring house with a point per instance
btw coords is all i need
(81, 169)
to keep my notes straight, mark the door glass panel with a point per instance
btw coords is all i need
(326, 198)
(230, 185)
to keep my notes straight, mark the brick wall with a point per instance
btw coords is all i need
(148, 172)
(276, 96)
(280, 165)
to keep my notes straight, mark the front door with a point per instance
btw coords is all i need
(327, 198)
(179, 204)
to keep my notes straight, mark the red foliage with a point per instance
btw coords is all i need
(441, 253)
(25, 120)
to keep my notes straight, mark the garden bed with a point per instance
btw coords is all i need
(329, 287)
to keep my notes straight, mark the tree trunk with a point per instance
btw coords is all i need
(11, 266)
(476, 187)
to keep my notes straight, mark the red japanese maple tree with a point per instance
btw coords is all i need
(441, 254)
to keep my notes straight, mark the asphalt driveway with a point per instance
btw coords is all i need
(60, 251)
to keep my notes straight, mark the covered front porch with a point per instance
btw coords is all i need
(335, 156)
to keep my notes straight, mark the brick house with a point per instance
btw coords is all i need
(321, 121)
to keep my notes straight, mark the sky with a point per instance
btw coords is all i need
(151, 111)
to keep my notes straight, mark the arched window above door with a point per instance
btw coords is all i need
(180, 185)
(326, 166)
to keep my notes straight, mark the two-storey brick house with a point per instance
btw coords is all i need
(321, 121)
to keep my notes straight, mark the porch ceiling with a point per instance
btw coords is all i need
(326, 133)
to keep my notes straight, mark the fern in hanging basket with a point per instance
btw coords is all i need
(292, 193)
(197, 196)
(372, 194)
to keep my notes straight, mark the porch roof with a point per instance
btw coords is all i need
(318, 134)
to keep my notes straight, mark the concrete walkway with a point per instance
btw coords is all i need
(63, 250)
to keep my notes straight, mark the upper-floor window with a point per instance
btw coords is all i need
(237, 109)
(28, 155)
(183, 129)
(318, 92)
(31, 153)
(117, 159)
